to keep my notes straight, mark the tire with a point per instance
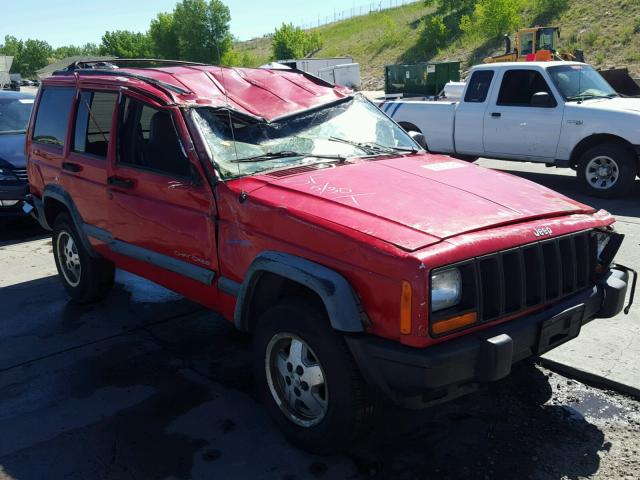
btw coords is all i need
(85, 278)
(343, 410)
(607, 171)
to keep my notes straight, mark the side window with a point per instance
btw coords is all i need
(478, 88)
(93, 123)
(519, 86)
(527, 43)
(148, 140)
(52, 115)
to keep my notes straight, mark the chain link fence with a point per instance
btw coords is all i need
(356, 10)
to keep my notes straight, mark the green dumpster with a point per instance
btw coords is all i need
(420, 79)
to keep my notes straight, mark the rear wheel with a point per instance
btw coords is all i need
(85, 278)
(308, 380)
(607, 171)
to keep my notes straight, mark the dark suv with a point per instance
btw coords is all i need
(15, 109)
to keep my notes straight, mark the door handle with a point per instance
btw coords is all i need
(71, 167)
(120, 182)
(496, 114)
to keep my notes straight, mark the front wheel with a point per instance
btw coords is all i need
(607, 171)
(308, 380)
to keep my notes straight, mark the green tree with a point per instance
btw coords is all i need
(163, 35)
(434, 32)
(233, 58)
(88, 49)
(34, 56)
(11, 46)
(126, 44)
(493, 18)
(29, 55)
(202, 30)
(293, 42)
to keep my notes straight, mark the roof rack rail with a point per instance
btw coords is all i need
(128, 62)
(123, 73)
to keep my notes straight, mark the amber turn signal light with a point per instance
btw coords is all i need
(405, 308)
(454, 323)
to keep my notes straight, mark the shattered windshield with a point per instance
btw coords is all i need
(351, 128)
(580, 82)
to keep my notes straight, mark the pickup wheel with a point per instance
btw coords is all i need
(86, 279)
(607, 171)
(308, 380)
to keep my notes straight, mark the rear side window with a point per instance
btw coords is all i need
(93, 123)
(148, 140)
(53, 115)
(519, 86)
(479, 86)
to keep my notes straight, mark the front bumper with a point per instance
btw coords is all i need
(420, 377)
(12, 193)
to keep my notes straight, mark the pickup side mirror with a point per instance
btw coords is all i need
(418, 138)
(543, 99)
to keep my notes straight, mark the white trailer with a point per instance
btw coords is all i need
(347, 75)
(314, 65)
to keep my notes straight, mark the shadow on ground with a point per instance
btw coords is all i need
(175, 399)
(19, 230)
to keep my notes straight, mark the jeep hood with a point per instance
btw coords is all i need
(414, 201)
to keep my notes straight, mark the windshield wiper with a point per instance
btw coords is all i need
(580, 98)
(373, 147)
(265, 157)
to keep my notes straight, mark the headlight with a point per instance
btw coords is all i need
(602, 239)
(6, 174)
(446, 289)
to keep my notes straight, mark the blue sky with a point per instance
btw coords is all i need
(63, 22)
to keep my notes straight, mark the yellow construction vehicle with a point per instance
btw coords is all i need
(542, 44)
(534, 44)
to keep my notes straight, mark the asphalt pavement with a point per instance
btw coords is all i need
(147, 385)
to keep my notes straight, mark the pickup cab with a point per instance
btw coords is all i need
(363, 266)
(557, 113)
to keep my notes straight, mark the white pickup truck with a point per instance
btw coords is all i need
(558, 113)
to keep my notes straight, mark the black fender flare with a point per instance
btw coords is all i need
(59, 194)
(339, 298)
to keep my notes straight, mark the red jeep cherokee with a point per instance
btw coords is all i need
(362, 264)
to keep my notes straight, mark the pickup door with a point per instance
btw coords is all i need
(515, 126)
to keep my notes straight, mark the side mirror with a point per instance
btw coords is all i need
(418, 138)
(542, 99)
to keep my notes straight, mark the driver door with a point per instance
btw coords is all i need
(161, 210)
(514, 128)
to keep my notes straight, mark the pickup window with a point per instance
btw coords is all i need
(479, 86)
(519, 86)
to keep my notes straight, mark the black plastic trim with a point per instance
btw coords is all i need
(339, 298)
(57, 193)
(228, 286)
(419, 377)
(165, 262)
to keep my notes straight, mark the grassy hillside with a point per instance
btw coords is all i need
(607, 30)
